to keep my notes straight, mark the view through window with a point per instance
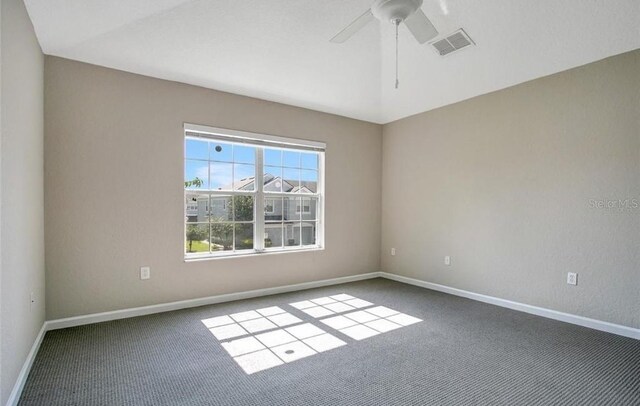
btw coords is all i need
(245, 195)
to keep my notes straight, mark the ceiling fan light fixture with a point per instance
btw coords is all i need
(394, 10)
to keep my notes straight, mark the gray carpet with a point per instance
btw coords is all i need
(462, 353)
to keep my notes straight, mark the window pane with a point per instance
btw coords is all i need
(244, 177)
(197, 149)
(196, 175)
(244, 236)
(244, 154)
(197, 238)
(243, 208)
(291, 159)
(196, 207)
(308, 233)
(273, 235)
(221, 208)
(309, 208)
(291, 181)
(220, 176)
(220, 151)
(221, 236)
(273, 157)
(273, 209)
(292, 234)
(272, 179)
(309, 160)
(290, 207)
(309, 181)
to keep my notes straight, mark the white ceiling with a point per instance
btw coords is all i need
(279, 50)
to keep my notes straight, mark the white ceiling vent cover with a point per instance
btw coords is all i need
(452, 42)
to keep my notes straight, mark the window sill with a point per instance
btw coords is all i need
(209, 257)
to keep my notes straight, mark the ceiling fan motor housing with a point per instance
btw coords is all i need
(394, 10)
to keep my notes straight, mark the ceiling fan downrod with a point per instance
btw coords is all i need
(397, 23)
(407, 12)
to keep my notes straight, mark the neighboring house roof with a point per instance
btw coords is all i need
(243, 184)
(271, 184)
(301, 189)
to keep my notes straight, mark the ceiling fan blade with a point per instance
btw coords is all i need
(355, 26)
(421, 27)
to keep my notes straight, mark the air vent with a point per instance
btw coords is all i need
(452, 42)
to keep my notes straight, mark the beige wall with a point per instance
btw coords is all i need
(113, 191)
(22, 242)
(502, 183)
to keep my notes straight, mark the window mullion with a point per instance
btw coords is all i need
(258, 215)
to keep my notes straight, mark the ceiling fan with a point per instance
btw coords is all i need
(396, 12)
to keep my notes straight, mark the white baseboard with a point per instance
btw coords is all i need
(14, 397)
(164, 307)
(538, 311)
(183, 304)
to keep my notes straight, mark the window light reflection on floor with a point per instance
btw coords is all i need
(264, 338)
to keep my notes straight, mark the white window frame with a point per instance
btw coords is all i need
(260, 142)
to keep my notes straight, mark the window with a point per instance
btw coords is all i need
(247, 193)
(304, 207)
(269, 206)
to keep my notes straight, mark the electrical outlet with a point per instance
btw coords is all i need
(393, 251)
(447, 260)
(572, 278)
(145, 272)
